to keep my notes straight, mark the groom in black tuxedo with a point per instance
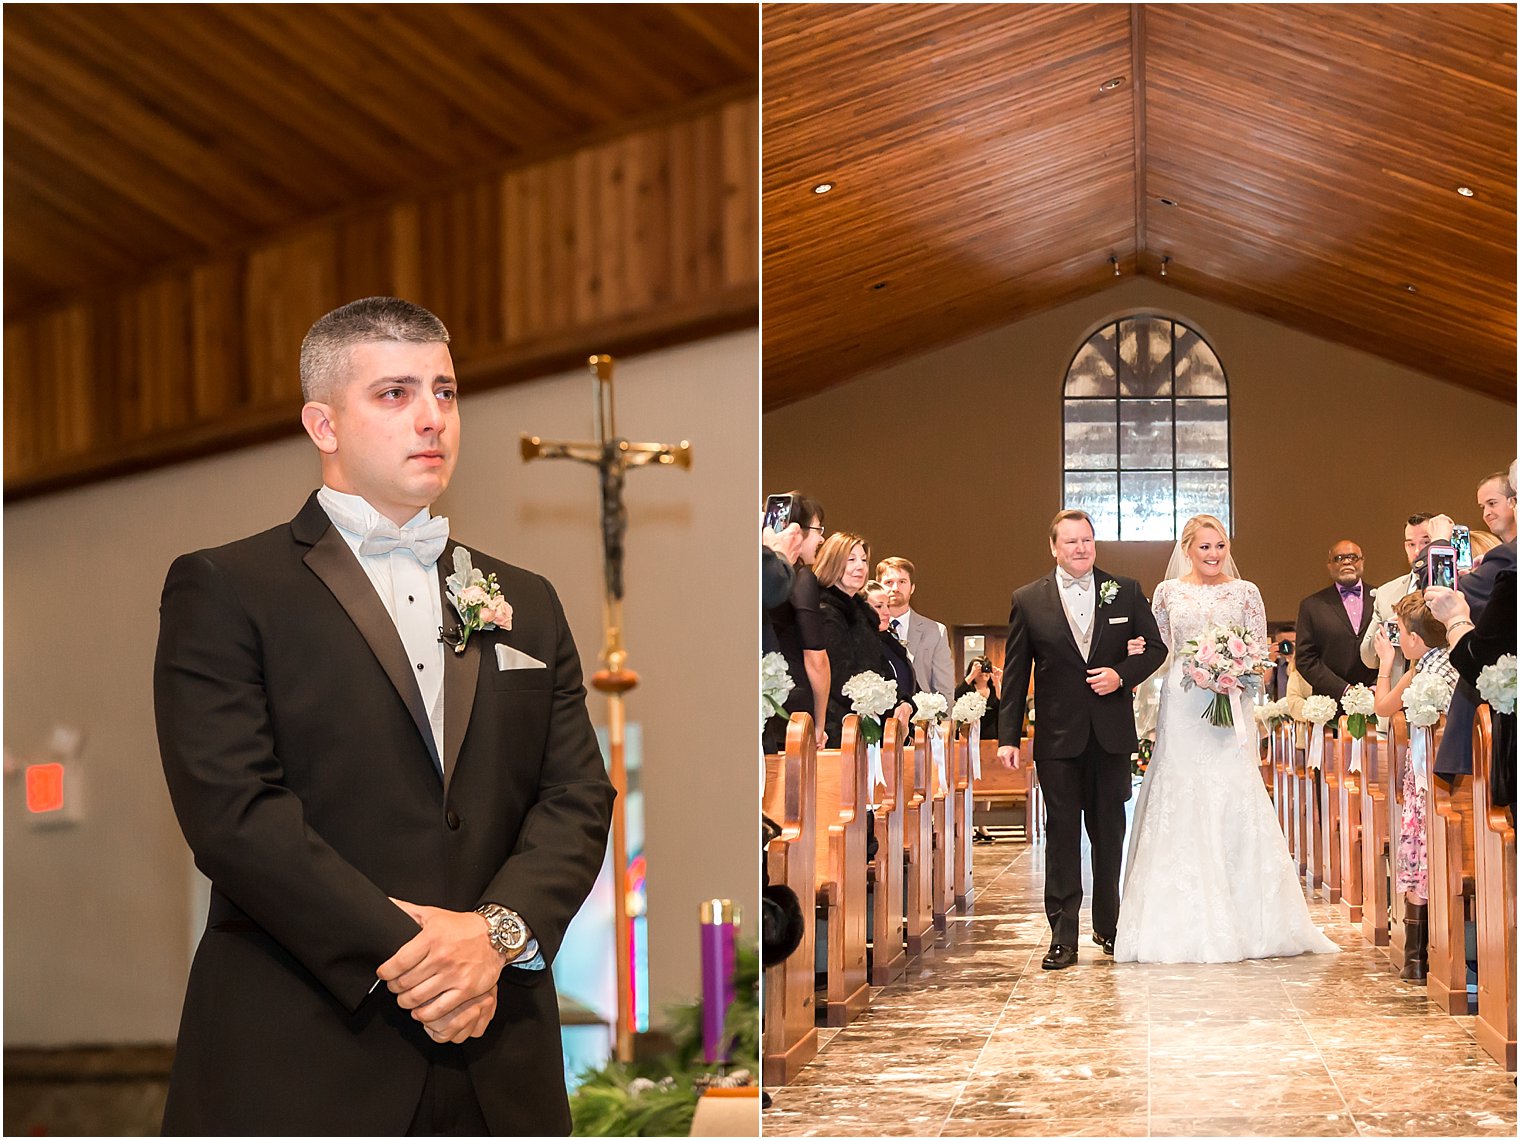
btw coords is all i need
(1074, 627)
(397, 834)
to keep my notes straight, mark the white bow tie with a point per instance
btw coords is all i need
(1066, 580)
(425, 540)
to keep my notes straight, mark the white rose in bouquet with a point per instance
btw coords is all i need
(1359, 703)
(1497, 684)
(1319, 709)
(871, 695)
(969, 708)
(929, 708)
(775, 686)
(1426, 699)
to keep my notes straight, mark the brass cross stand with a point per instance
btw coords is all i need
(612, 456)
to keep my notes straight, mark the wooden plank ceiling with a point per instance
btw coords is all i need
(138, 136)
(1301, 162)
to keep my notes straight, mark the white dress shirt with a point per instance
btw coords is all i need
(410, 592)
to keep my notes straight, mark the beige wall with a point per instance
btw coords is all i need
(96, 914)
(953, 459)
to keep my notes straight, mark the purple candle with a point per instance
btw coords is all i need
(720, 922)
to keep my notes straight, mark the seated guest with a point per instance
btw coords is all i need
(850, 625)
(1330, 626)
(896, 651)
(1422, 640)
(980, 676)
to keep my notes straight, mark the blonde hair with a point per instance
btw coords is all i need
(1191, 528)
(1482, 542)
(829, 563)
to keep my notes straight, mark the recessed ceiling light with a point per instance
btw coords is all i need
(1410, 289)
(1167, 201)
(1465, 191)
(1114, 83)
(823, 188)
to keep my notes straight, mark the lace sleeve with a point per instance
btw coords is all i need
(1255, 612)
(1163, 620)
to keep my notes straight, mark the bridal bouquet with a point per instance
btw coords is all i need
(871, 696)
(929, 708)
(1497, 684)
(1426, 699)
(1358, 703)
(969, 708)
(1223, 661)
(775, 686)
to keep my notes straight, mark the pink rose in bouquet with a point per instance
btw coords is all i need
(1223, 661)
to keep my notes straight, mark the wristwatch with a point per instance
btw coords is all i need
(508, 932)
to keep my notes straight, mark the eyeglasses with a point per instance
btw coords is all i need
(819, 529)
(1345, 559)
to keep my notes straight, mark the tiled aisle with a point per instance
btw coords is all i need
(979, 1041)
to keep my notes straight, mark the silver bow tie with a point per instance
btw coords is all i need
(1082, 583)
(425, 541)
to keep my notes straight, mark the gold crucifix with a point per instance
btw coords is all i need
(612, 456)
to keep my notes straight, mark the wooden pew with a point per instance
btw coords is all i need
(1330, 813)
(1398, 760)
(1298, 779)
(1313, 831)
(1377, 867)
(918, 846)
(840, 871)
(1349, 798)
(1494, 875)
(960, 780)
(942, 890)
(1000, 785)
(1449, 847)
(791, 800)
(1282, 791)
(889, 956)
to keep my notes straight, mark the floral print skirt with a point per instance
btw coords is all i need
(1413, 873)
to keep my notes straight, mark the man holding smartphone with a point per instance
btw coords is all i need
(1390, 593)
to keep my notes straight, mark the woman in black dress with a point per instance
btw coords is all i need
(979, 676)
(798, 627)
(896, 652)
(849, 623)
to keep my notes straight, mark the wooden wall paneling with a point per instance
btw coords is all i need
(22, 419)
(217, 378)
(365, 262)
(512, 256)
(405, 229)
(587, 218)
(739, 138)
(558, 239)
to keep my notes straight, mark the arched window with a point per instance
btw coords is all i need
(1147, 439)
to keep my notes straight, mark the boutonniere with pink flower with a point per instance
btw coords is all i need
(477, 598)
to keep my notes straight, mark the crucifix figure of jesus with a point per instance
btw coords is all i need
(612, 456)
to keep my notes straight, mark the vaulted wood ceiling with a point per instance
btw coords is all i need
(140, 135)
(1297, 161)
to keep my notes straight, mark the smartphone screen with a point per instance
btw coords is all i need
(1461, 538)
(1443, 568)
(1393, 631)
(778, 512)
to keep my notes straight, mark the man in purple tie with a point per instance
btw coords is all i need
(1331, 624)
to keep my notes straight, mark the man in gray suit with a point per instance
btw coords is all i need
(927, 640)
(1390, 593)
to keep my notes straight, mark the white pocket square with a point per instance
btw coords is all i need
(1117, 621)
(509, 658)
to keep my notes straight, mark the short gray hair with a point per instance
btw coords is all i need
(325, 349)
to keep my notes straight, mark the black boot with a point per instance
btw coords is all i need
(1416, 943)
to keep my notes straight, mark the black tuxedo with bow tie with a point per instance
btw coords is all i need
(1082, 741)
(1328, 652)
(299, 757)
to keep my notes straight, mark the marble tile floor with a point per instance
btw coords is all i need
(977, 1040)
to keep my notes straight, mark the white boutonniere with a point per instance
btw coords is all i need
(1107, 592)
(477, 598)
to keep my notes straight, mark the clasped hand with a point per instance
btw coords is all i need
(446, 975)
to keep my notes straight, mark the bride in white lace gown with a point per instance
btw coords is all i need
(1209, 877)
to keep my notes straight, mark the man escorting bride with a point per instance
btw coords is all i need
(1210, 878)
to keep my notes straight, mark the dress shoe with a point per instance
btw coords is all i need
(1106, 943)
(1059, 957)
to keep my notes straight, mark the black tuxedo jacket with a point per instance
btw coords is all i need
(300, 763)
(1070, 713)
(1328, 651)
